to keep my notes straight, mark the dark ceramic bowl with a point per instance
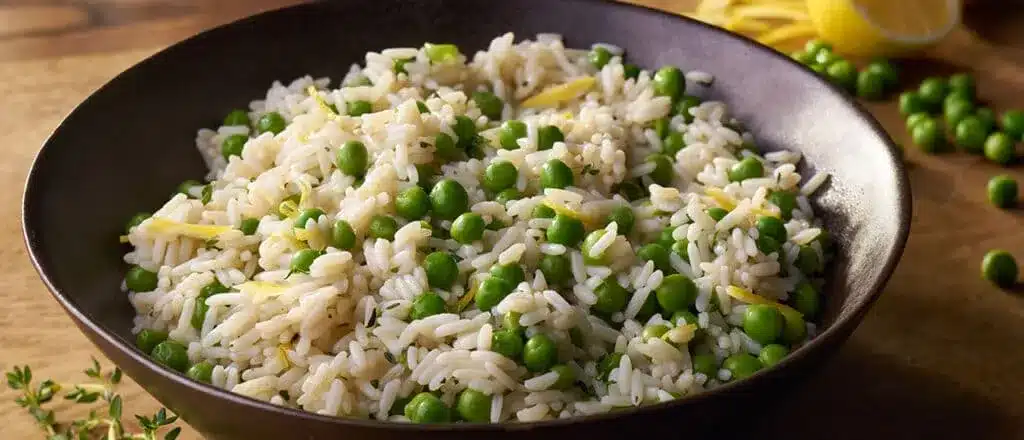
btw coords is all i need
(130, 143)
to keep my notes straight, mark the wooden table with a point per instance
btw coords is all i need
(939, 356)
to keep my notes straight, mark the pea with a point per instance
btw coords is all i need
(843, 74)
(803, 57)
(826, 58)
(668, 81)
(539, 353)
(683, 317)
(468, 227)
(1000, 268)
(140, 280)
(956, 111)
(658, 254)
(510, 321)
(911, 102)
(962, 82)
(684, 105)
(785, 201)
(412, 203)
(763, 323)
(565, 230)
(663, 171)
(441, 269)
(353, 158)
(136, 220)
(1013, 123)
(422, 107)
(473, 406)
(661, 128)
(808, 261)
(465, 131)
(383, 226)
(489, 104)
(587, 248)
(248, 226)
(509, 132)
(927, 135)
(1002, 192)
(630, 71)
(424, 173)
(932, 91)
(870, 85)
(271, 122)
(916, 118)
(682, 249)
(623, 217)
(147, 339)
(999, 148)
(794, 328)
(500, 175)
(426, 304)
(496, 225)
(772, 227)
(632, 191)
(543, 211)
(566, 376)
(187, 187)
(306, 215)
(444, 147)
(611, 297)
(676, 293)
(717, 214)
(598, 57)
(970, 135)
(653, 331)
(883, 68)
(672, 144)
(448, 199)
(747, 168)
(513, 273)
(427, 408)
(556, 269)
(819, 68)
(507, 343)
(705, 364)
(201, 372)
(986, 116)
(772, 354)
(815, 46)
(236, 117)
(555, 174)
(441, 53)
(767, 244)
(648, 308)
(233, 145)
(342, 235)
(171, 354)
(547, 136)
(302, 260)
(742, 365)
(491, 291)
(398, 66)
(398, 407)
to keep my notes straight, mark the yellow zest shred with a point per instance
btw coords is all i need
(559, 208)
(766, 212)
(261, 289)
(468, 297)
(311, 90)
(123, 239)
(553, 96)
(681, 334)
(723, 200)
(305, 189)
(282, 354)
(202, 232)
(288, 208)
(753, 298)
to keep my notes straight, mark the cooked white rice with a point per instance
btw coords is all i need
(338, 340)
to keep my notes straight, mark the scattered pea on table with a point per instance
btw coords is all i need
(1000, 268)
(1002, 191)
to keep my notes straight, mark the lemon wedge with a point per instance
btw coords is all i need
(553, 96)
(883, 27)
(202, 232)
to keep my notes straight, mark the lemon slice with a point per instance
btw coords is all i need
(883, 27)
(556, 95)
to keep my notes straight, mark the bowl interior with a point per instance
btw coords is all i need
(126, 148)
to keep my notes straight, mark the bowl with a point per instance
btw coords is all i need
(127, 145)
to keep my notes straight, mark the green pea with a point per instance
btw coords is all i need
(547, 136)
(500, 175)
(513, 273)
(473, 406)
(1000, 268)
(539, 353)
(598, 57)
(772, 227)
(803, 57)
(1013, 123)
(542, 211)
(342, 235)
(489, 104)
(716, 213)
(1002, 192)
(815, 46)
(826, 58)
(491, 291)
(412, 203)
(663, 172)
(587, 248)
(233, 145)
(465, 131)
(236, 117)
(556, 269)
(772, 354)
(962, 82)
(932, 91)
(398, 65)
(555, 174)
(136, 220)
(785, 201)
(565, 230)
(632, 191)
(468, 227)
(302, 260)
(440, 53)
(358, 108)
(668, 81)
(448, 199)
(742, 365)
(806, 300)
(188, 187)
(843, 74)
(249, 226)
(201, 372)
(819, 68)
(676, 293)
(147, 339)
(795, 328)
(441, 269)
(684, 105)
(986, 116)
(426, 304)
(763, 323)
(398, 407)
(171, 354)
(911, 102)
(808, 261)
(956, 111)
(510, 132)
(444, 147)
(427, 408)
(999, 148)
(140, 280)
(672, 144)
(683, 317)
(682, 249)
(665, 238)
(383, 226)
(424, 173)
(653, 331)
(767, 244)
(507, 343)
(307, 215)
(658, 254)
(422, 107)
(353, 158)
(883, 68)
(970, 134)
(927, 135)
(747, 168)
(623, 217)
(271, 122)
(661, 127)
(630, 71)
(870, 85)
(705, 364)
(611, 297)
(510, 322)
(566, 377)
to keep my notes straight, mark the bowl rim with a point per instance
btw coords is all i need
(838, 331)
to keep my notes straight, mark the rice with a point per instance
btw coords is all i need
(338, 337)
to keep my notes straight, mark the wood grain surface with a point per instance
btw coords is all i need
(939, 356)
